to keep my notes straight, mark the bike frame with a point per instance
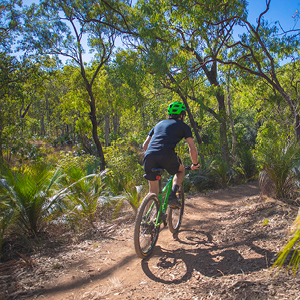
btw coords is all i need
(163, 203)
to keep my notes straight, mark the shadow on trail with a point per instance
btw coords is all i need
(203, 257)
(78, 283)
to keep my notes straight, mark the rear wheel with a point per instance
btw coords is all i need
(175, 214)
(145, 232)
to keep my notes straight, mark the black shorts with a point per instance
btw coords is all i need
(169, 162)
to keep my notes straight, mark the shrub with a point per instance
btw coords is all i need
(279, 164)
(200, 180)
(124, 175)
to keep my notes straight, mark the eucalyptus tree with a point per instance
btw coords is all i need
(260, 52)
(9, 22)
(15, 67)
(187, 37)
(60, 27)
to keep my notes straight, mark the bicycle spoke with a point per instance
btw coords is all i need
(146, 233)
(175, 214)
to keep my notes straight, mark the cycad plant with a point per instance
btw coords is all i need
(278, 177)
(292, 243)
(7, 211)
(33, 194)
(84, 193)
(221, 171)
(247, 161)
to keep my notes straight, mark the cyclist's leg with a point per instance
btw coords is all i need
(154, 187)
(179, 176)
(150, 162)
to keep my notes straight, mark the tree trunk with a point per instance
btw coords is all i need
(223, 127)
(1, 128)
(233, 147)
(297, 127)
(191, 118)
(95, 133)
(116, 123)
(106, 119)
(43, 125)
(93, 119)
(222, 118)
(212, 76)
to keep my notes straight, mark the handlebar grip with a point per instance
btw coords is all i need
(187, 167)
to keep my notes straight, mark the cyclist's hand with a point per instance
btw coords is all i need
(195, 167)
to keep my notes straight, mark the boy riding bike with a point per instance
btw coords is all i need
(159, 150)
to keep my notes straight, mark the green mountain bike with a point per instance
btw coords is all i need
(153, 211)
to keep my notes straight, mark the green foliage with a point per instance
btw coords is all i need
(128, 95)
(247, 162)
(125, 173)
(279, 162)
(200, 180)
(84, 192)
(293, 242)
(33, 192)
(222, 172)
(7, 211)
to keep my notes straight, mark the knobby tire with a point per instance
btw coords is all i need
(175, 215)
(145, 232)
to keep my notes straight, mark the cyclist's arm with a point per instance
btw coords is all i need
(146, 142)
(193, 153)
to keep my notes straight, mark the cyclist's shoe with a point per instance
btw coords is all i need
(174, 202)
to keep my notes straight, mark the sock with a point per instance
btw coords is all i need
(175, 188)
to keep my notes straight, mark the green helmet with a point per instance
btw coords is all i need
(176, 108)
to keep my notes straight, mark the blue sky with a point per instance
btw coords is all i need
(280, 10)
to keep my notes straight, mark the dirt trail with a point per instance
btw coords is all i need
(227, 242)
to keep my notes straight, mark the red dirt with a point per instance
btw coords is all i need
(228, 241)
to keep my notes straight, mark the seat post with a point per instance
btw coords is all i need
(158, 177)
(159, 184)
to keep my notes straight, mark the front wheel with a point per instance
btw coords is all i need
(175, 214)
(145, 231)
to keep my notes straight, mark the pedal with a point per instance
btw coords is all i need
(175, 207)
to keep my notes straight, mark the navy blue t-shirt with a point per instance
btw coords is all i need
(166, 134)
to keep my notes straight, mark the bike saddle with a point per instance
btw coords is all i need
(158, 171)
